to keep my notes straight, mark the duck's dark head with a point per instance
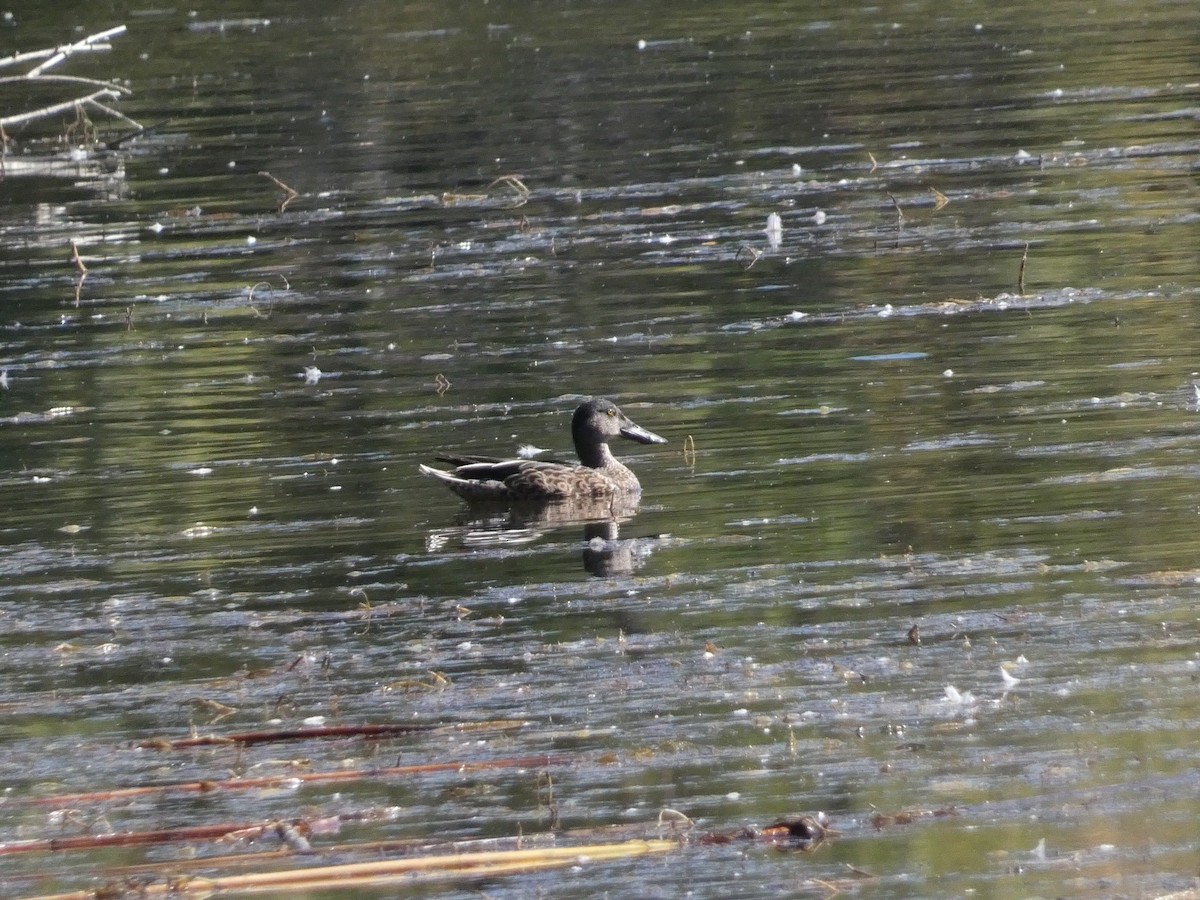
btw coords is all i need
(596, 422)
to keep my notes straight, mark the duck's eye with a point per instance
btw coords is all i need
(612, 412)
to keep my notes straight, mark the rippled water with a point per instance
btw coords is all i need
(956, 394)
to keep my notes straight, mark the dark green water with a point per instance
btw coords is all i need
(887, 432)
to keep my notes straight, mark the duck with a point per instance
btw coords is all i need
(599, 475)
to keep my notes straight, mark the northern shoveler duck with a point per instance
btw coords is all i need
(599, 474)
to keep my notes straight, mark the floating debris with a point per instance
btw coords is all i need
(908, 816)
(794, 832)
(223, 25)
(959, 698)
(774, 231)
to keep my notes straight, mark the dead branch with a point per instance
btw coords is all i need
(55, 108)
(65, 79)
(103, 90)
(91, 43)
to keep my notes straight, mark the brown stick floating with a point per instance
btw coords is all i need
(276, 781)
(249, 738)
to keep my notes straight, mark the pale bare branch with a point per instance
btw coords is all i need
(66, 79)
(90, 43)
(55, 108)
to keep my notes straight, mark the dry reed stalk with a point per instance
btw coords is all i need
(137, 872)
(385, 872)
(374, 849)
(449, 862)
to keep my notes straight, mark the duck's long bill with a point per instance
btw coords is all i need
(641, 435)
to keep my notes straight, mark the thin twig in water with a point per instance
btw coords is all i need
(861, 872)
(874, 164)
(290, 192)
(940, 199)
(271, 303)
(899, 211)
(77, 259)
(79, 268)
(831, 889)
(1021, 272)
(516, 184)
(674, 817)
(545, 791)
(220, 711)
(81, 127)
(747, 252)
(689, 452)
(513, 182)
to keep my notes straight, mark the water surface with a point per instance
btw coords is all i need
(957, 395)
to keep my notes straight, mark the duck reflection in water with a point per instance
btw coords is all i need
(512, 497)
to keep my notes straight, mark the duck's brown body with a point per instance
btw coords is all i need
(599, 474)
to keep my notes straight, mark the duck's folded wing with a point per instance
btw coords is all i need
(488, 469)
(492, 468)
(458, 459)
